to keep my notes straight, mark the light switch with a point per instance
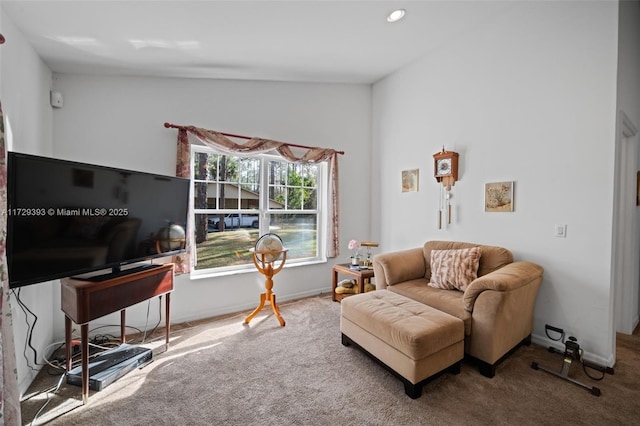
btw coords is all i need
(560, 231)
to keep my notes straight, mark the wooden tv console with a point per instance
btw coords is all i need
(84, 301)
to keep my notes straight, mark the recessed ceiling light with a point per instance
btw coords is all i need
(396, 15)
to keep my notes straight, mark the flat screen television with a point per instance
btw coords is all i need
(68, 219)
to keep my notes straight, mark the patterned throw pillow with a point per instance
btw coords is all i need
(454, 269)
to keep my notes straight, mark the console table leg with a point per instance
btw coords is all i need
(67, 341)
(166, 318)
(123, 324)
(84, 340)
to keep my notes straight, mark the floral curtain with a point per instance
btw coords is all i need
(10, 408)
(183, 262)
(292, 153)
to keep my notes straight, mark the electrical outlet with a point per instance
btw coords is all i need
(560, 231)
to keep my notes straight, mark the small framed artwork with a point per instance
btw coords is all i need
(410, 180)
(498, 197)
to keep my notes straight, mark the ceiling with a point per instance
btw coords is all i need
(303, 40)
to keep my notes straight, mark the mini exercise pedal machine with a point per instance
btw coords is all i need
(572, 352)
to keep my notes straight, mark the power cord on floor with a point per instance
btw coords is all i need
(93, 330)
(144, 337)
(49, 392)
(30, 328)
(56, 363)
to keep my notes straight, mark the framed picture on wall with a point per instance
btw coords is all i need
(498, 197)
(410, 180)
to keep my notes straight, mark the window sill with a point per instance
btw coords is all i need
(250, 268)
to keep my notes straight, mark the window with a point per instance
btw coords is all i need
(238, 199)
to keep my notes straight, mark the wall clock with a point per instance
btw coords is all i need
(446, 167)
(445, 170)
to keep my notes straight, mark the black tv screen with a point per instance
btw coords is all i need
(67, 218)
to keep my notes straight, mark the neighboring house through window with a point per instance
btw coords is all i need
(238, 199)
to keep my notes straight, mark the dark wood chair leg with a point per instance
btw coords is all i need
(455, 368)
(487, 370)
(345, 340)
(413, 391)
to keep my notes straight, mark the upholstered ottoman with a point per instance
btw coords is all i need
(412, 340)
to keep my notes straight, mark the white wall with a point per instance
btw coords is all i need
(529, 97)
(118, 121)
(25, 82)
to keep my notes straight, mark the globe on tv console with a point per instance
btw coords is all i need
(171, 237)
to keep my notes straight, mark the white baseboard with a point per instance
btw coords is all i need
(231, 309)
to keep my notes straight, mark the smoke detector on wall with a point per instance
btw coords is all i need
(56, 99)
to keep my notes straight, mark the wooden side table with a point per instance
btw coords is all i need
(362, 276)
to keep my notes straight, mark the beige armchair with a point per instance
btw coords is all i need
(496, 308)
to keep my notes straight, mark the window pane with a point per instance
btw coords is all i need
(200, 195)
(208, 195)
(311, 199)
(293, 186)
(298, 233)
(294, 198)
(277, 172)
(277, 197)
(215, 249)
(228, 171)
(209, 166)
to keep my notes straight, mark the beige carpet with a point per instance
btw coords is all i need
(223, 373)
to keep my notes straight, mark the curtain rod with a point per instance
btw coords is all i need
(175, 126)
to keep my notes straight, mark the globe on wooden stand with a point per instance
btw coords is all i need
(267, 252)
